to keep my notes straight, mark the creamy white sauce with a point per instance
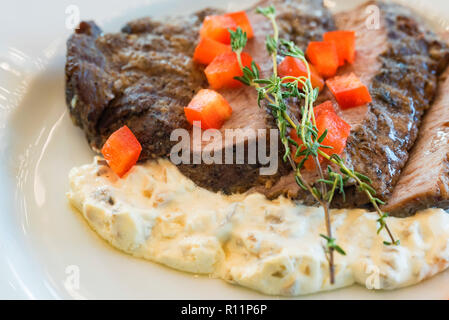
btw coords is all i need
(156, 213)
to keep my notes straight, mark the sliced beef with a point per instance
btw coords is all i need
(300, 21)
(424, 181)
(141, 77)
(144, 76)
(400, 62)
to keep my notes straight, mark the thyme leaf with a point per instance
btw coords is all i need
(238, 39)
(331, 244)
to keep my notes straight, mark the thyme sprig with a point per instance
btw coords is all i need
(277, 91)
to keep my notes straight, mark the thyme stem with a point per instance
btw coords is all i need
(276, 90)
(367, 192)
(307, 87)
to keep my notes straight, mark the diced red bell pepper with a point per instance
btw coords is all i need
(291, 66)
(349, 91)
(344, 40)
(337, 133)
(207, 49)
(209, 107)
(121, 151)
(242, 21)
(324, 57)
(221, 71)
(216, 28)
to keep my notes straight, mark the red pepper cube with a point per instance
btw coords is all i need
(242, 21)
(294, 67)
(349, 91)
(121, 151)
(324, 57)
(344, 40)
(338, 129)
(207, 49)
(337, 133)
(221, 71)
(217, 28)
(209, 107)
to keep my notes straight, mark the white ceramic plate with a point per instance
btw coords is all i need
(43, 242)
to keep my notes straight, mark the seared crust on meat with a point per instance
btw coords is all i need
(402, 90)
(424, 182)
(141, 77)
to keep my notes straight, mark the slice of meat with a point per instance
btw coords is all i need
(145, 75)
(299, 21)
(141, 77)
(424, 181)
(399, 61)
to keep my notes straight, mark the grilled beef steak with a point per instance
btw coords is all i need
(424, 181)
(144, 76)
(400, 61)
(300, 21)
(141, 77)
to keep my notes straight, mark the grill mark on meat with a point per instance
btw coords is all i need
(424, 182)
(399, 63)
(402, 90)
